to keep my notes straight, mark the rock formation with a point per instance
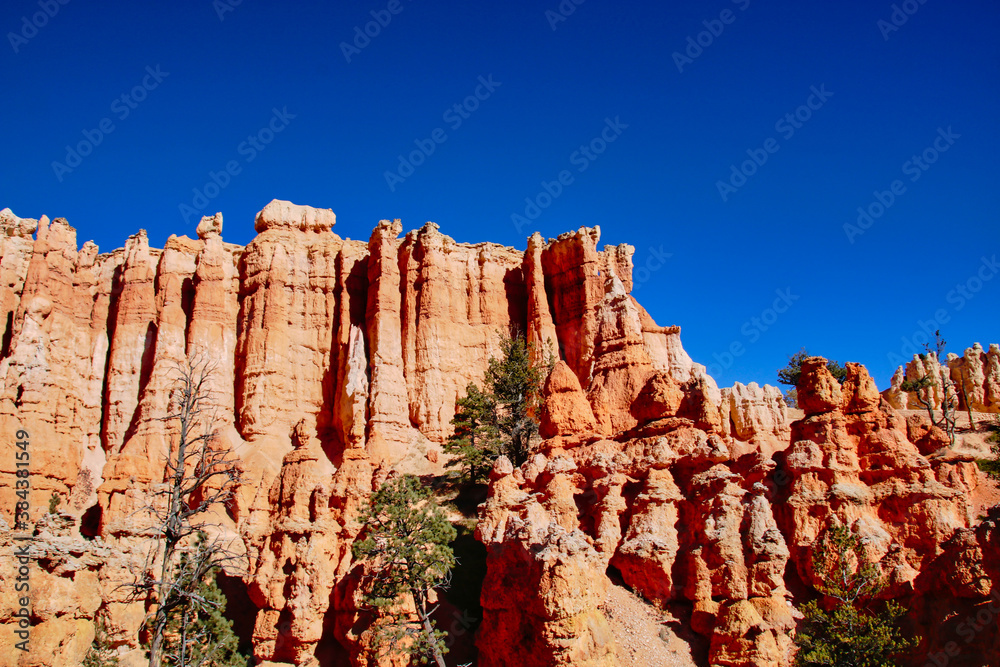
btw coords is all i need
(973, 378)
(337, 363)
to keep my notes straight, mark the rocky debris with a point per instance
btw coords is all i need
(644, 636)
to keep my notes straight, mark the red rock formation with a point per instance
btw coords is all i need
(755, 415)
(851, 463)
(338, 362)
(974, 378)
(565, 410)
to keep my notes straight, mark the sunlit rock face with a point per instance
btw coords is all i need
(337, 363)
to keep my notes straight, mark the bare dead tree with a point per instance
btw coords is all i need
(923, 389)
(200, 475)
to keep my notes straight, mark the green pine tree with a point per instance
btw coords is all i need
(501, 418)
(476, 441)
(848, 633)
(197, 632)
(406, 543)
(991, 466)
(516, 383)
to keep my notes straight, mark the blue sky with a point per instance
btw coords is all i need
(644, 110)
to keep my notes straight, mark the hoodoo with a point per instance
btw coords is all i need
(338, 364)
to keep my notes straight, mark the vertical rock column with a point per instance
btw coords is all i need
(212, 329)
(389, 430)
(16, 245)
(350, 387)
(132, 339)
(286, 325)
(573, 278)
(541, 331)
(49, 364)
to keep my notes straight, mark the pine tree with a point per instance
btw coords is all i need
(991, 466)
(848, 633)
(791, 372)
(197, 632)
(476, 441)
(516, 382)
(501, 418)
(406, 546)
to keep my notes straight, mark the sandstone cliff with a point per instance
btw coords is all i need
(338, 362)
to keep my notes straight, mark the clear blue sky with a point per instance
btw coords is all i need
(884, 94)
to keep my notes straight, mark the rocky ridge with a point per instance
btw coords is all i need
(704, 501)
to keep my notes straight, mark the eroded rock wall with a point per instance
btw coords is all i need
(337, 363)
